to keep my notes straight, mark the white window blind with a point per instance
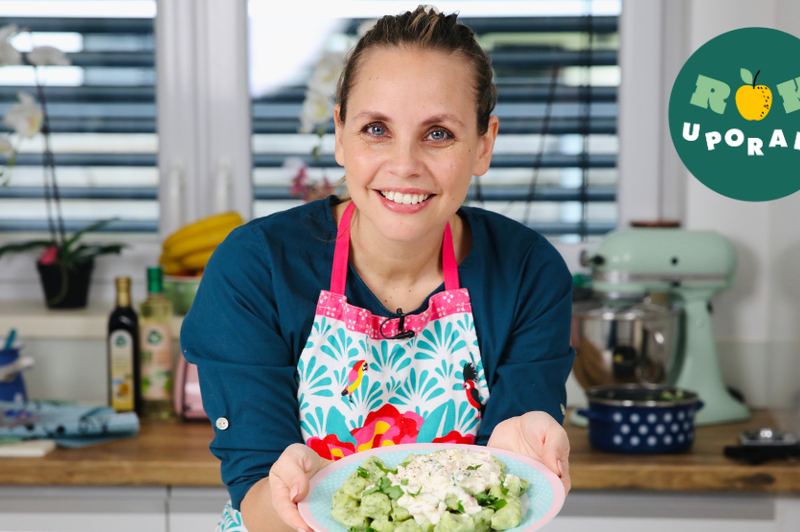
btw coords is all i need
(102, 115)
(557, 74)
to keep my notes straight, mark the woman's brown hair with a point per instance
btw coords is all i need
(426, 29)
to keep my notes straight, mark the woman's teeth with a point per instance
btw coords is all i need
(406, 199)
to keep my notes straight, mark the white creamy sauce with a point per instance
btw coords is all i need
(432, 477)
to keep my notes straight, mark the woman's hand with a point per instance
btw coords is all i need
(288, 480)
(538, 435)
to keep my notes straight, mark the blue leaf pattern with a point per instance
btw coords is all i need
(415, 392)
(423, 375)
(440, 343)
(311, 381)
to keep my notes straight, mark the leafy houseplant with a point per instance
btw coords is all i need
(66, 264)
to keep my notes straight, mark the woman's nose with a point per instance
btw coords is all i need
(405, 159)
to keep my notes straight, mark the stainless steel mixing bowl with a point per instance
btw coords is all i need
(620, 342)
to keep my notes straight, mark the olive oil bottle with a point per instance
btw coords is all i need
(157, 362)
(124, 386)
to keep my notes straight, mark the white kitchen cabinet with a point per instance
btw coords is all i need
(184, 509)
(195, 509)
(82, 509)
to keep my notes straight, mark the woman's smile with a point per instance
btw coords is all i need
(405, 201)
(410, 144)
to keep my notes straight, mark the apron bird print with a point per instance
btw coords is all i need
(354, 378)
(474, 398)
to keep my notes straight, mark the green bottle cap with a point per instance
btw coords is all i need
(155, 283)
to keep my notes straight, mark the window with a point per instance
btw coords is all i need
(556, 70)
(102, 114)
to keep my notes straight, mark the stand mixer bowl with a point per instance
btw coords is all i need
(622, 342)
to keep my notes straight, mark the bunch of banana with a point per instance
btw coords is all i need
(187, 250)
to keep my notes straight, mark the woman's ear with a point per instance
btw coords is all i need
(485, 147)
(339, 151)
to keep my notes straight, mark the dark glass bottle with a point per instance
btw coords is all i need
(124, 380)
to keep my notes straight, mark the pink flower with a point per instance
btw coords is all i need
(330, 448)
(49, 255)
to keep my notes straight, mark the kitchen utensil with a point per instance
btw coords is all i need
(641, 419)
(12, 334)
(759, 445)
(627, 341)
(681, 270)
(545, 495)
(12, 386)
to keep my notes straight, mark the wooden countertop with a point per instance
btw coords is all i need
(177, 454)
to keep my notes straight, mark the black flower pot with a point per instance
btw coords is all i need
(66, 286)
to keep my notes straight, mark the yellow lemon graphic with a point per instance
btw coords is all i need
(753, 101)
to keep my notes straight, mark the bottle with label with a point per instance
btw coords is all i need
(124, 388)
(157, 363)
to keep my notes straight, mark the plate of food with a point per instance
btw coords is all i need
(432, 488)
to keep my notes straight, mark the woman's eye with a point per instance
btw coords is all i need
(440, 134)
(376, 131)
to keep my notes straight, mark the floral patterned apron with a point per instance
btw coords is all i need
(367, 381)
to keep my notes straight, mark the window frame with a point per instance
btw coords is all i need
(204, 128)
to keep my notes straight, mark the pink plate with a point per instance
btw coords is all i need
(545, 496)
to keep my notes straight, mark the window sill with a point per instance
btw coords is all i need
(33, 321)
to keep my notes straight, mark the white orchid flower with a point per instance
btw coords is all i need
(48, 56)
(9, 56)
(326, 73)
(317, 110)
(6, 148)
(25, 117)
(8, 31)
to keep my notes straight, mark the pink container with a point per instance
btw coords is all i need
(188, 402)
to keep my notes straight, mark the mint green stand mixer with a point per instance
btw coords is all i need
(688, 268)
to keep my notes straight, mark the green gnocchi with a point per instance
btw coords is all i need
(451, 490)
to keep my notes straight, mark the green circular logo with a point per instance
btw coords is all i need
(734, 114)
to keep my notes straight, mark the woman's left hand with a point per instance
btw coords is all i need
(538, 435)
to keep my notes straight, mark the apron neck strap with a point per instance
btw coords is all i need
(341, 255)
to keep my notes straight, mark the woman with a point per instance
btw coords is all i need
(301, 357)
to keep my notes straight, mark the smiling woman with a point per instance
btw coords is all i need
(301, 356)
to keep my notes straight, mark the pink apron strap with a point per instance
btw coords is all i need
(449, 260)
(341, 255)
(342, 252)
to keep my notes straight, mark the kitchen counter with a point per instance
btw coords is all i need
(176, 454)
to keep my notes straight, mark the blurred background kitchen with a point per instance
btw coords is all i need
(171, 111)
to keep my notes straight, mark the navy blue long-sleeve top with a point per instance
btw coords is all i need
(255, 307)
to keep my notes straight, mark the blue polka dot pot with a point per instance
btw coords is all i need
(641, 419)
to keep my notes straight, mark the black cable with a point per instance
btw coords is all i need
(401, 334)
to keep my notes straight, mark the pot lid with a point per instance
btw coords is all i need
(640, 395)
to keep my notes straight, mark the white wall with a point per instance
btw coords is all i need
(758, 321)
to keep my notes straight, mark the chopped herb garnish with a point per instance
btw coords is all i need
(499, 503)
(393, 471)
(504, 490)
(394, 492)
(473, 467)
(363, 473)
(461, 508)
(404, 482)
(417, 493)
(373, 489)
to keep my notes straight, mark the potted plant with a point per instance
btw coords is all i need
(65, 268)
(66, 264)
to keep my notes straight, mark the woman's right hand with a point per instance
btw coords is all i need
(288, 480)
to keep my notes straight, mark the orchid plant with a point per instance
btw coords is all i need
(27, 119)
(317, 110)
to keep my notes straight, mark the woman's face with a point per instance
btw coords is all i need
(410, 144)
